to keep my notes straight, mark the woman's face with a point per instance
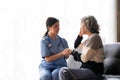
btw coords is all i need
(83, 28)
(54, 29)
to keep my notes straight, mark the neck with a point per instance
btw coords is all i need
(53, 36)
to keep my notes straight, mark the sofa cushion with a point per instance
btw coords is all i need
(112, 66)
(112, 58)
(112, 50)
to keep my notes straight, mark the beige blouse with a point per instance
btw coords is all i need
(92, 49)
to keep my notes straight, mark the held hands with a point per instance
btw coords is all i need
(66, 52)
(76, 55)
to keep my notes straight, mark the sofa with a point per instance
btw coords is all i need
(111, 62)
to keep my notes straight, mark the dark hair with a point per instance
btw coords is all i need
(91, 24)
(49, 22)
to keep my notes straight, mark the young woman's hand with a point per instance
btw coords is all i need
(66, 52)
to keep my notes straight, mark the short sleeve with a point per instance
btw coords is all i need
(65, 43)
(44, 48)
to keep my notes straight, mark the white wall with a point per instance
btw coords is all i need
(22, 25)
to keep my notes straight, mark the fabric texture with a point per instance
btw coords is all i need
(49, 46)
(111, 62)
(92, 49)
(112, 58)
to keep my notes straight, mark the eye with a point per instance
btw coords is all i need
(56, 26)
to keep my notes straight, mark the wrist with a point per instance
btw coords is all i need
(61, 53)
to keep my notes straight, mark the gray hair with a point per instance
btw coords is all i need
(91, 24)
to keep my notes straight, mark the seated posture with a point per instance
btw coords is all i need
(91, 53)
(54, 51)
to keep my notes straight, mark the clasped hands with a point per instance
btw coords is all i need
(66, 52)
(73, 52)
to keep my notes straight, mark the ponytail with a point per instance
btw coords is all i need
(46, 33)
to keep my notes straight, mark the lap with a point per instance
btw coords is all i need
(44, 72)
(55, 71)
(81, 73)
(49, 73)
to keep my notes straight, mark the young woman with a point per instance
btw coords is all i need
(54, 51)
(92, 53)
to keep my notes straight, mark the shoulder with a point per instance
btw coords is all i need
(44, 40)
(64, 42)
(63, 39)
(60, 37)
(96, 41)
(95, 37)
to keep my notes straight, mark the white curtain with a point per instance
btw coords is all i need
(22, 25)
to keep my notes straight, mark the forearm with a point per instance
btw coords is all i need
(65, 52)
(53, 57)
(77, 41)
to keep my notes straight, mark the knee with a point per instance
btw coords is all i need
(63, 70)
(45, 77)
(63, 73)
(55, 72)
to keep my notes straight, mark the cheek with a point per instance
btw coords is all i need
(55, 30)
(58, 29)
(51, 30)
(84, 30)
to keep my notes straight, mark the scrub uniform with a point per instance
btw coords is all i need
(50, 70)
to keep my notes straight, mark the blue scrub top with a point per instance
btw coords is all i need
(51, 47)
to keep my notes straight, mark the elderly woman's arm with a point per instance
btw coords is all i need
(77, 41)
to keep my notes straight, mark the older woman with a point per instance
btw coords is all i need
(92, 53)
